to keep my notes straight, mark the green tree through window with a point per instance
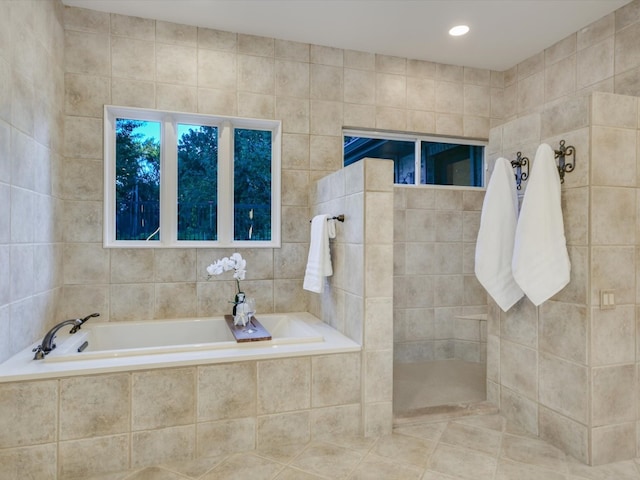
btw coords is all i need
(137, 179)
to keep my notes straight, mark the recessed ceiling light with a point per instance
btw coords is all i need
(459, 30)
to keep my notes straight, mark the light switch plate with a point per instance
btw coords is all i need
(607, 299)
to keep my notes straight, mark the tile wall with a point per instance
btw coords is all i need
(358, 298)
(314, 90)
(31, 149)
(568, 370)
(104, 423)
(435, 288)
(603, 57)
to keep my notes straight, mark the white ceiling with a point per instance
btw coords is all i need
(503, 32)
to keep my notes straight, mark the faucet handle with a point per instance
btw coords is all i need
(39, 353)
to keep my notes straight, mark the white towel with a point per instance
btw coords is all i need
(541, 263)
(494, 246)
(319, 259)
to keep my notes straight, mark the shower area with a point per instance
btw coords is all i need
(439, 306)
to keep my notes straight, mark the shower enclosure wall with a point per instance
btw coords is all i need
(568, 369)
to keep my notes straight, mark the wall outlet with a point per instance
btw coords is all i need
(607, 299)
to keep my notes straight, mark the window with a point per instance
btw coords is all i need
(187, 180)
(420, 160)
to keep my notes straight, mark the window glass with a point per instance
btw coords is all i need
(451, 164)
(137, 192)
(252, 184)
(219, 187)
(439, 163)
(402, 152)
(197, 182)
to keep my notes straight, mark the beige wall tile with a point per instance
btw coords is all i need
(153, 447)
(613, 443)
(87, 53)
(226, 436)
(563, 330)
(163, 398)
(627, 55)
(327, 55)
(217, 69)
(293, 376)
(613, 395)
(595, 63)
(520, 410)
(613, 268)
(518, 369)
(292, 79)
(572, 437)
(131, 302)
(613, 335)
(133, 58)
(143, 28)
(39, 461)
(562, 387)
(104, 402)
(133, 93)
(378, 376)
(283, 429)
(596, 31)
(217, 39)
(391, 64)
(91, 456)
(226, 391)
(176, 33)
(32, 421)
(292, 50)
(560, 79)
(336, 380)
(176, 64)
(610, 143)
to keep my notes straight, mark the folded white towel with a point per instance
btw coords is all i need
(541, 263)
(319, 259)
(494, 246)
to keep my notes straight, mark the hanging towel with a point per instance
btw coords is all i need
(494, 246)
(541, 263)
(319, 260)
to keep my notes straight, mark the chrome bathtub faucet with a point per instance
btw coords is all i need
(47, 343)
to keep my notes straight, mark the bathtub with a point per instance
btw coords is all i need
(124, 346)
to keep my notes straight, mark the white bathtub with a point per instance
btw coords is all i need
(121, 346)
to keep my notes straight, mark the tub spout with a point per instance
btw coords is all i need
(47, 343)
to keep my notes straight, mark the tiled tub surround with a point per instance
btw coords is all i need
(162, 344)
(80, 426)
(568, 370)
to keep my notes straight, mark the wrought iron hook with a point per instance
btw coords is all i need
(563, 165)
(518, 163)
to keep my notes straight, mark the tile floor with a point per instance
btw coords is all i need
(474, 447)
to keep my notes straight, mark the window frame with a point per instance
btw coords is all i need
(418, 139)
(169, 121)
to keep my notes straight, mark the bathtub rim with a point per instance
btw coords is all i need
(21, 368)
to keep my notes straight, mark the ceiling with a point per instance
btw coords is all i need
(503, 32)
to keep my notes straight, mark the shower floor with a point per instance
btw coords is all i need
(420, 387)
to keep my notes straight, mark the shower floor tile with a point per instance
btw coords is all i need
(417, 386)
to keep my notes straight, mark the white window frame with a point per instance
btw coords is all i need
(168, 178)
(417, 139)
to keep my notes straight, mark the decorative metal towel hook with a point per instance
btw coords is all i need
(518, 163)
(563, 165)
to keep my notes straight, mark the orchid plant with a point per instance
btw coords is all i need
(235, 262)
